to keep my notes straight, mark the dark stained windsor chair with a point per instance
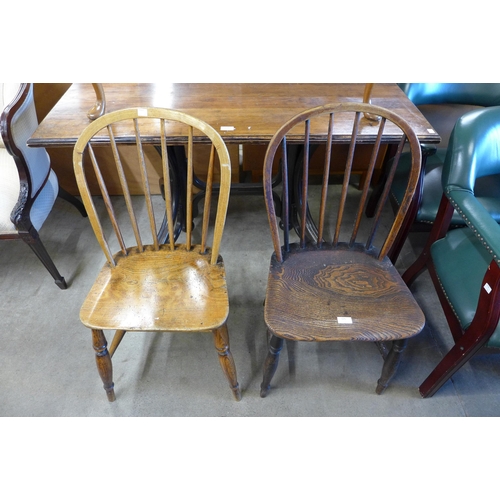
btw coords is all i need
(28, 186)
(464, 262)
(146, 285)
(338, 288)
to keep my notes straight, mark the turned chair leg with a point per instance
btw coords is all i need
(391, 364)
(271, 363)
(221, 341)
(103, 360)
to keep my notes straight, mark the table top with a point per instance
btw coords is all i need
(241, 113)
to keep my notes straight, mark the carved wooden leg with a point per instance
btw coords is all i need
(391, 364)
(221, 340)
(271, 363)
(103, 360)
(33, 240)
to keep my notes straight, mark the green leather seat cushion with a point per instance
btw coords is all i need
(487, 189)
(461, 261)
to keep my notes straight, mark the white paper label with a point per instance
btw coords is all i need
(487, 287)
(344, 319)
(142, 112)
(227, 127)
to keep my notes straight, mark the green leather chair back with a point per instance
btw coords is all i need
(474, 149)
(477, 94)
(449, 102)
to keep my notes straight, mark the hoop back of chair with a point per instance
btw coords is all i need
(390, 128)
(124, 126)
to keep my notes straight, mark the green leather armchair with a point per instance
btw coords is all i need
(464, 262)
(443, 104)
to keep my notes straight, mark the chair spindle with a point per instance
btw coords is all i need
(326, 176)
(145, 184)
(347, 176)
(189, 194)
(125, 189)
(285, 197)
(109, 208)
(369, 173)
(167, 186)
(208, 199)
(305, 185)
(382, 202)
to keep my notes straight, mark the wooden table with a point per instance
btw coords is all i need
(245, 114)
(242, 113)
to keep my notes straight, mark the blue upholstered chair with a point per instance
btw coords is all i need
(28, 186)
(442, 104)
(464, 262)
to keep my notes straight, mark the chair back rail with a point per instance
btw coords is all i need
(171, 122)
(361, 129)
(18, 122)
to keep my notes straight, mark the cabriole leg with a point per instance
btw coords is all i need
(391, 364)
(103, 360)
(221, 340)
(271, 363)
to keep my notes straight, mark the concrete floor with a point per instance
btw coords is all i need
(48, 368)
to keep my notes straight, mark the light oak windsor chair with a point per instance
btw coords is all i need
(154, 287)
